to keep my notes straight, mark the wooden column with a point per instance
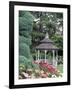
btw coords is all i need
(38, 54)
(53, 57)
(56, 58)
(45, 55)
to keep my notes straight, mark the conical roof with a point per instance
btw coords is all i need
(46, 40)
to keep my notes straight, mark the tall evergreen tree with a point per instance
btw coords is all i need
(25, 28)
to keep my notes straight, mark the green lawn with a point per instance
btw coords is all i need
(60, 67)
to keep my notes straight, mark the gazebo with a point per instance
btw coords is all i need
(47, 45)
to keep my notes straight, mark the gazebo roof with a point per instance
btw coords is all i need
(46, 40)
(46, 44)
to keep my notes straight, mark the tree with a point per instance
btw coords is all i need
(45, 22)
(25, 28)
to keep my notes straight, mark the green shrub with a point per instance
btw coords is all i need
(25, 34)
(27, 15)
(25, 21)
(35, 66)
(25, 40)
(24, 50)
(58, 40)
(23, 60)
(26, 62)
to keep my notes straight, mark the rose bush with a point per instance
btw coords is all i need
(50, 69)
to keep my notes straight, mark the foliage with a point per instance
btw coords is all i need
(26, 14)
(25, 21)
(25, 40)
(25, 28)
(36, 66)
(25, 24)
(60, 60)
(22, 60)
(48, 21)
(25, 61)
(60, 67)
(58, 41)
(25, 34)
(22, 68)
(24, 50)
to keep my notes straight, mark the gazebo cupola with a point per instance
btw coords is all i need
(47, 45)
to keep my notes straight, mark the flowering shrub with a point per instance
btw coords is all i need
(48, 68)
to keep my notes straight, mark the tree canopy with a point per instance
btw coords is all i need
(50, 22)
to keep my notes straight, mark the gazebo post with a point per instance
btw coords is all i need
(56, 57)
(38, 54)
(45, 55)
(53, 57)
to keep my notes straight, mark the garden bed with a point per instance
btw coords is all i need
(42, 70)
